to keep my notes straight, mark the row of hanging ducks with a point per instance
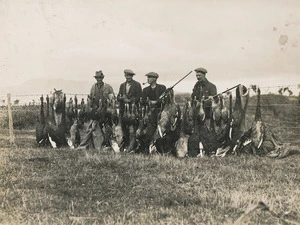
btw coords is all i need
(223, 129)
(51, 128)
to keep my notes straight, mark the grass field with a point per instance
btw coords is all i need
(63, 186)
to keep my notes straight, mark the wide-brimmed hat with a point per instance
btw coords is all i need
(152, 74)
(99, 74)
(129, 72)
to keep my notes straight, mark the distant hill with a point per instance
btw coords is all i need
(31, 90)
(44, 86)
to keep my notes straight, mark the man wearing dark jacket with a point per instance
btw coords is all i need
(151, 95)
(203, 89)
(129, 92)
(153, 91)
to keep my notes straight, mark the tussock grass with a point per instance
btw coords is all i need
(62, 186)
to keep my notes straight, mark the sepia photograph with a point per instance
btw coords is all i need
(149, 112)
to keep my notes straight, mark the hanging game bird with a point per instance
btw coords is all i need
(216, 110)
(258, 127)
(238, 132)
(41, 137)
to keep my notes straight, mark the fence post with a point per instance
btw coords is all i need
(10, 122)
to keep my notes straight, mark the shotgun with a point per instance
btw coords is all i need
(222, 92)
(226, 90)
(170, 88)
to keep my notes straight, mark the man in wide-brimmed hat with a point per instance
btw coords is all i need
(100, 90)
(100, 128)
(130, 93)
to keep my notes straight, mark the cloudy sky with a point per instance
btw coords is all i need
(248, 42)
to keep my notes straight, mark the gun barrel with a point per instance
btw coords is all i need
(182, 79)
(168, 89)
(223, 92)
(227, 90)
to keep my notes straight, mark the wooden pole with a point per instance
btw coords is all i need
(10, 122)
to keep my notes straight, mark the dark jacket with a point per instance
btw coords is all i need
(134, 93)
(204, 89)
(154, 95)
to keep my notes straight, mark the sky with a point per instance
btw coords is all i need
(237, 41)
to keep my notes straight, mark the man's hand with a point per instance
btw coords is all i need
(210, 98)
(168, 89)
(153, 103)
(123, 97)
(126, 100)
(165, 92)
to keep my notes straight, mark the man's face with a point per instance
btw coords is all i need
(99, 79)
(151, 80)
(128, 77)
(200, 76)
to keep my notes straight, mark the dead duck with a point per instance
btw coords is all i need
(70, 110)
(41, 137)
(224, 110)
(187, 119)
(199, 113)
(258, 127)
(127, 114)
(216, 121)
(216, 109)
(133, 114)
(168, 125)
(74, 139)
(222, 128)
(238, 130)
(255, 136)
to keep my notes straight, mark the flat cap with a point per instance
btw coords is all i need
(99, 74)
(201, 70)
(128, 71)
(152, 74)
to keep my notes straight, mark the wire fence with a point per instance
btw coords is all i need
(34, 99)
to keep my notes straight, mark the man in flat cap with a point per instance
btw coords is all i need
(154, 90)
(100, 127)
(129, 94)
(151, 95)
(203, 89)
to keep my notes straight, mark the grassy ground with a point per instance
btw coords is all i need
(62, 186)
